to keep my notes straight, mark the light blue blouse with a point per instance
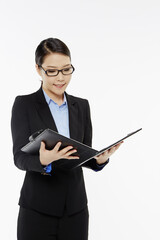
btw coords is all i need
(61, 118)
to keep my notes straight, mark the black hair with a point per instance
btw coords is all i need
(48, 46)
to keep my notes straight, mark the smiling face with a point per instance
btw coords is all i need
(55, 86)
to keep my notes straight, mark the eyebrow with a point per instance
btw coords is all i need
(57, 67)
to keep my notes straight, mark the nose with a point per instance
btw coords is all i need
(60, 76)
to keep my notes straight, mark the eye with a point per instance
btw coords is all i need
(67, 69)
(51, 71)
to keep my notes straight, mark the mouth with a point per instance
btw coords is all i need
(59, 85)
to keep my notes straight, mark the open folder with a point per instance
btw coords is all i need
(51, 138)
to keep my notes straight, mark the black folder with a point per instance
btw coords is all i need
(51, 138)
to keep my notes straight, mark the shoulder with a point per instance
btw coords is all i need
(24, 101)
(27, 97)
(75, 99)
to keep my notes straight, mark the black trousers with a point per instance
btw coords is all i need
(33, 225)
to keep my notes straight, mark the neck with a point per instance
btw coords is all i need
(55, 97)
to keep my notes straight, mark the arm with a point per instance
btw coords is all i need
(88, 141)
(20, 134)
(99, 162)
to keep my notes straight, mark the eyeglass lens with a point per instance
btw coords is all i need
(65, 71)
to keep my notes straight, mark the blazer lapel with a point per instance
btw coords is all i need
(73, 116)
(44, 111)
(46, 116)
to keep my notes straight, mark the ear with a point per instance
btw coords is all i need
(38, 70)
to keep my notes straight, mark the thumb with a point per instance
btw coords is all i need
(42, 147)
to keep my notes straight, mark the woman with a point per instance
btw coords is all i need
(53, 202)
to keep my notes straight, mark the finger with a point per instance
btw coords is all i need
(110, 151)
(102, 154)
(70, 152)
(118, 145)
(65, 150)
(113, 148)
(57, 146)
(106, 152)
(72, 157)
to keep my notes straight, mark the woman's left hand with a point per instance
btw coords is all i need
(102, 158)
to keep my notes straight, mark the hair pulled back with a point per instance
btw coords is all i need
(49, 46)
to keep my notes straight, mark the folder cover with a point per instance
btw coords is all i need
(51, 138)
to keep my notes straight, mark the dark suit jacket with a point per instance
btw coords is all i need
(50, 194)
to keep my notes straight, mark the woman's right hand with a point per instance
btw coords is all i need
(48, 156)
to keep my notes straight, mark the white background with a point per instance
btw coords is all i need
(115, 48)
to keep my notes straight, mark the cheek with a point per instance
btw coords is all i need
(68, 79)
(47, 81)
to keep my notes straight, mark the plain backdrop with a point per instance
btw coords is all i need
(115, 48)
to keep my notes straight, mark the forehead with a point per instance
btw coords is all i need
(56, 60)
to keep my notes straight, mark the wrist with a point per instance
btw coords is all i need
(42, 161)
(100, 162)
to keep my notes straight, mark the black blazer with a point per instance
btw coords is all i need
(50, 194)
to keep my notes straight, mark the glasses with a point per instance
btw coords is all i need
(55, 72)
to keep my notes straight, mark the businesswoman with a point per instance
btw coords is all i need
(53, 202)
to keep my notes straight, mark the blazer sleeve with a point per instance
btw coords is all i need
(20, 133)
(88, 141)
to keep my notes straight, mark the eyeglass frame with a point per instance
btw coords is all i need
(56, 70)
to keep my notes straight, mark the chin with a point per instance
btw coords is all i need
(57, 91)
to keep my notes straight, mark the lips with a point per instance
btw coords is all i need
(59, 85)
